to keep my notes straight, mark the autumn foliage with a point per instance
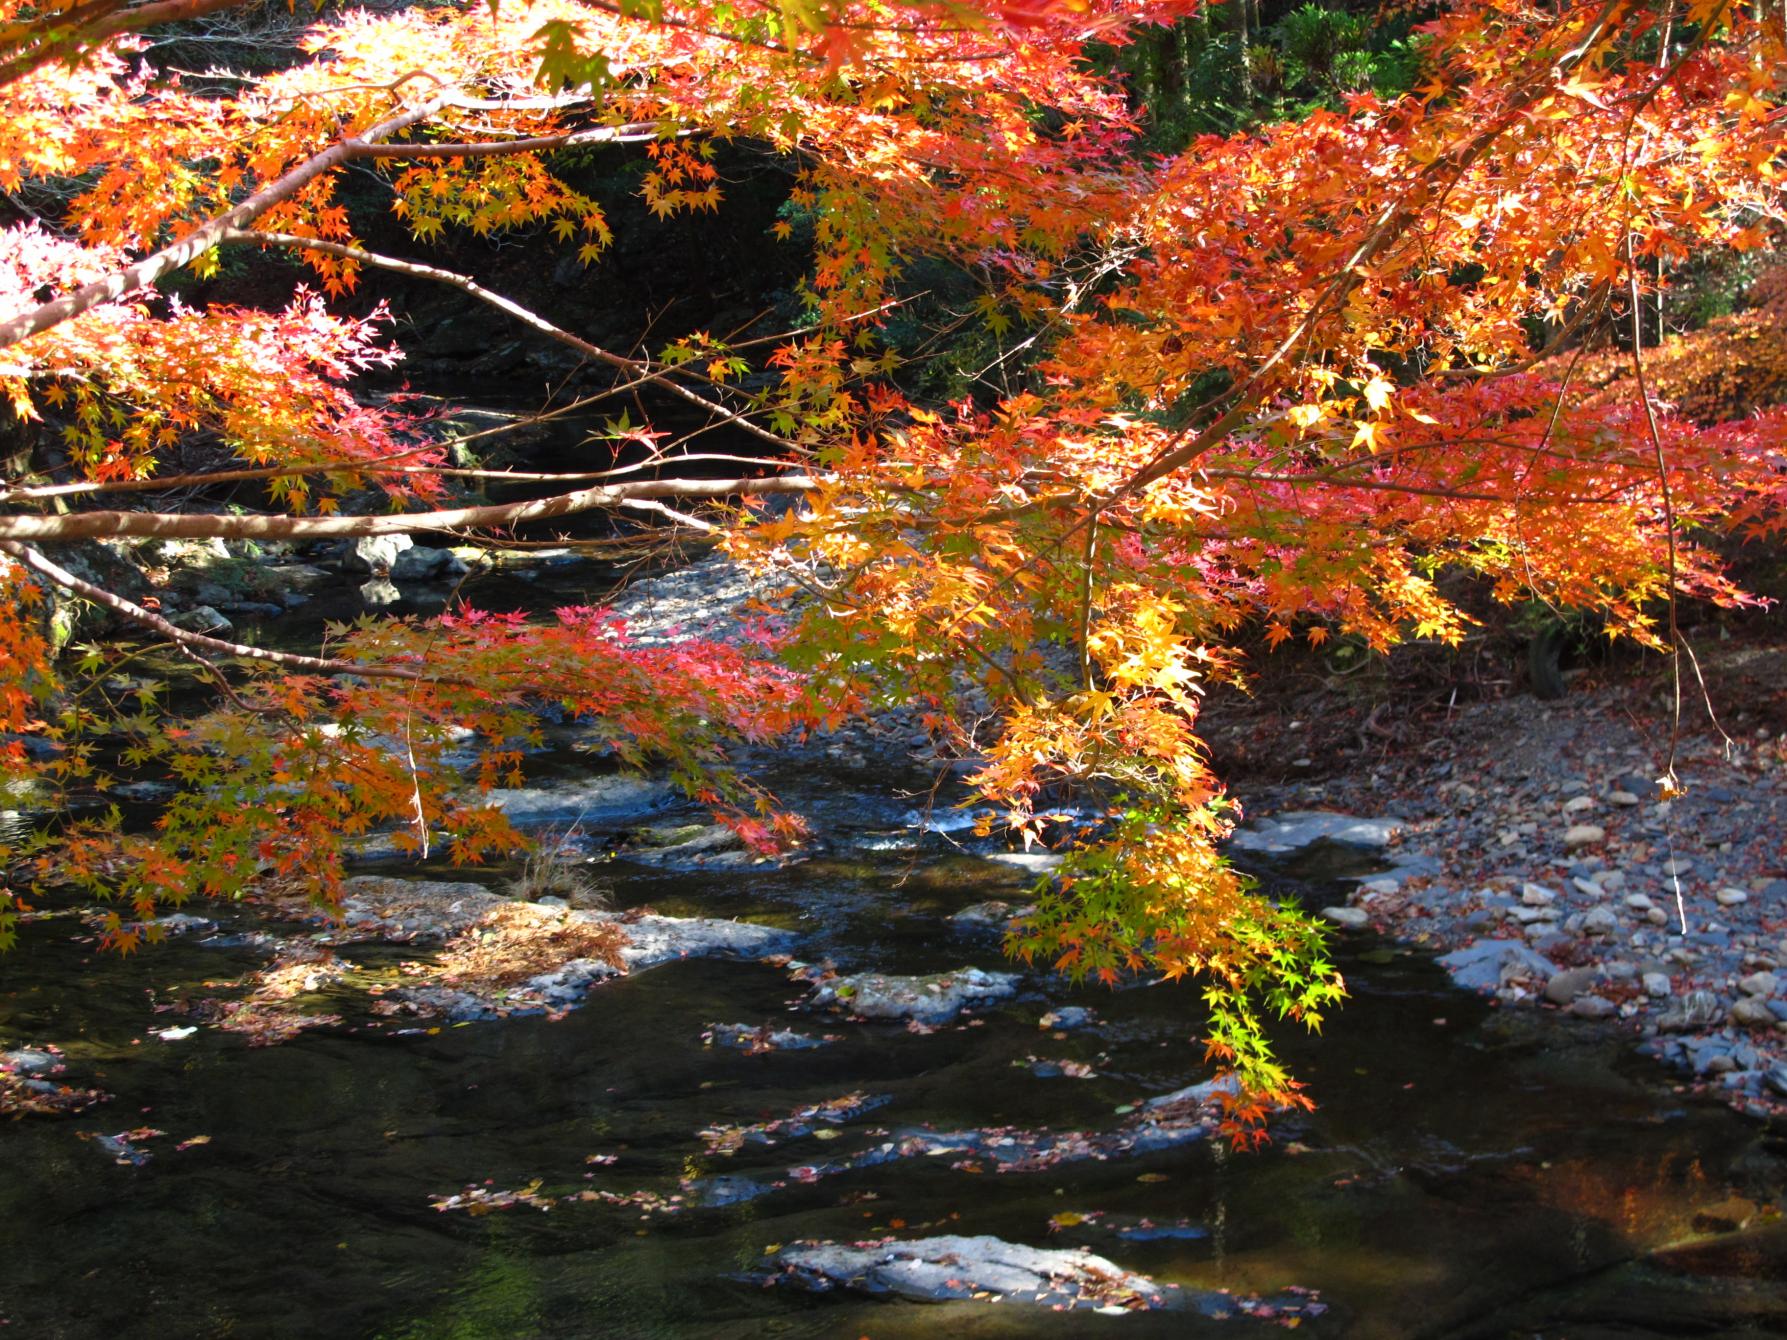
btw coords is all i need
(1283, 378)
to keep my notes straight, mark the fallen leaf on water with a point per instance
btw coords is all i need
(194, 1140)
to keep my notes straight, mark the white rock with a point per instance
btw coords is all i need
(1622, 798)
(1656, 985)
(1584, 835)
(1731, 897)
(1537, 895)
(1639, 902)
(1577, 804)
(1347, 918)
(1758, 984)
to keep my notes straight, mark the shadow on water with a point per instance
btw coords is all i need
(1469, 1171)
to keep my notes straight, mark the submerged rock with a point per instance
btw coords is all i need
(755, 1041)
(936, 999)
(987, 1268)
(1296, 829)
(592, 800)
(1488, 964)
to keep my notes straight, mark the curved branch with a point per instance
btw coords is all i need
(199, 525)
(194, 643)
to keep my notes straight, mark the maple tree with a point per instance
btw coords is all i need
(1283, 376)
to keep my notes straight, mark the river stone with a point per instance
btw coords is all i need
(1065, 1018)
(1656, 984)
(1593, 1007)
(419, 563)
(1758, 984)
(1297, 829)
(1487, 964)
(1731, 897)
(29, 1061)
(1639, 902)
(1537, 895)
(1697, 1009)
(376, 554)
(994, 912)
(1565, 986)
(1584, 835)
(952, 1267)
(407, 909)
(1599, 921)
(1752, 1013)
(1624, 799)
(935, 999)
(1348, 918)
(652, 940)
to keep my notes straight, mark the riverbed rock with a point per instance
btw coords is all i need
(601, 800)
(1600, 922)
(1584, 835)
(1752, 1013)
(1348, 918)
(376, 554)
(392, 908)
(936, 999)
(419, 563)
(1282, 834)
(1488, 964)
(1696, 1009)
(1593, 1007)
(1565, 986)
(1759, 984)
(988, 1268)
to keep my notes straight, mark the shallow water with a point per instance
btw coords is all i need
(1469, 1171)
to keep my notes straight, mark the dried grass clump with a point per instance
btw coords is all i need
(555, 870)
(514, 942)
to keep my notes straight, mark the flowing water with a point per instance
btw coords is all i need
(1469, 1171)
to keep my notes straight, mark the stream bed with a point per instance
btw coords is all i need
(618, 1171)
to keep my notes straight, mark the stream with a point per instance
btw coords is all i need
(1468, 1171)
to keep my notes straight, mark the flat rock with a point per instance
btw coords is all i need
(1297, 829)
(1347, 918)
(596, 800)
(935, 999)
(1584, 835)
(390, 907)
(988, 1268)
(1487, 964)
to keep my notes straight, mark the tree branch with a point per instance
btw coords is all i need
(196, 643)
(466, 284)
(199, 525)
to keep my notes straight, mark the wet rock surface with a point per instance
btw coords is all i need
(936, 998)
(938, 1269)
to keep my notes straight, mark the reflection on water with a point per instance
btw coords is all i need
(1470, 1171)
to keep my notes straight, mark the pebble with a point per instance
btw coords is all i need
(1758, 984)
(1656, 985)
(1537, 895)
(1751, 1011)
(1622, 798)
(1639, 902)
(1347, 918)
(1599, 921)
(1577, 804)
(1731, 897)
(1593, 1007)
(1584, 835)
